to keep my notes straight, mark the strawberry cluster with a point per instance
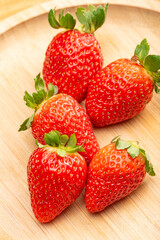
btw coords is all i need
(68, 156)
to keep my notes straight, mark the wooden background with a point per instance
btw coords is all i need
(10, 7)
(23, 41)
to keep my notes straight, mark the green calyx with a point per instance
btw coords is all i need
(150, 62)
(134, 150)
(90, 19)
(62, 143)
(35, 100)
(64, 21)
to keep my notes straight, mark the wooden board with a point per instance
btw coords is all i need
(10, 7)
(23, 41)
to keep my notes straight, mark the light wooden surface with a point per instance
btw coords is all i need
(10, 7)
(22, 49)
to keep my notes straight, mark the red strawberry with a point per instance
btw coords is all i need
(122, 89)
(115, 171)
(74, 56)
(59, 112)
(56, 175)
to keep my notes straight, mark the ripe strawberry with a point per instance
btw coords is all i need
(115, 171)
(56, 175)
(59, 112)
(122, 89)
(74, 56)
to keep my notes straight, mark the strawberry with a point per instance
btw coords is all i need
(115, 171)
(74, 56)
(122, 89)
(56, 175)
(58, 112)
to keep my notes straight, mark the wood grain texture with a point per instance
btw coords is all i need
(22, 49)
(43, 8)
(10, 7)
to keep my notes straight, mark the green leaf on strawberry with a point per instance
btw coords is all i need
(26, 124)
(149, 166)
(134, 150)
(29, 100)
(91, 19)
(63, 139)
(151, 63)
(122, 144)
(52, 138)
(35, 100)
(142, 51)
(52, 90)
(52, 19)
(62, 143)
(39, 83)
(72, 141)
(65, 21)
